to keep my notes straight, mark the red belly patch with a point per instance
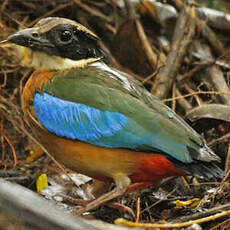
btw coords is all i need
(153, 168)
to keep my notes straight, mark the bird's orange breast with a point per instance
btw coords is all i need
(34, 83)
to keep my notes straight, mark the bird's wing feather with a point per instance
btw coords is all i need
(106, 109)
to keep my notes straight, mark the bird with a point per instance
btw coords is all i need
(98, 120)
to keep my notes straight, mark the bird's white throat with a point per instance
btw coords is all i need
(42, 61)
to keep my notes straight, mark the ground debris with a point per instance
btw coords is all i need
(180, 52)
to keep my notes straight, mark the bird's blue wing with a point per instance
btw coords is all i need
(100, 127)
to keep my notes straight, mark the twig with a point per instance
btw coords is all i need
(182, 101)
(220, 224)
(227, 162)
(176, 225)
(115, 15)
(12, 149)
(92, 11)
(4, 79)
(182, 36)
(216, 77)
(4, 4)
(151, 56)
(138, 210)
(205, 30)
(148, 78)
(196, 96)
(14, 20)
(191, 73)
(148, 207)
(195, 93)
(225, 207)
(173, 106)
(2, 144)
(122, 208)
(186, 183)
(130, 9)
(224, 179)
(220, 139)
(59, 7)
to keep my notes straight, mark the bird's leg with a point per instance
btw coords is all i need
(122, 183)
(91, 191)
(102, 199)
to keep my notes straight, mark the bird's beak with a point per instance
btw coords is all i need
(29, 38)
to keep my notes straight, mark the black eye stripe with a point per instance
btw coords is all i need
(70, 42)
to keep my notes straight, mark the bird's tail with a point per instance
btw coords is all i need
(203, 170)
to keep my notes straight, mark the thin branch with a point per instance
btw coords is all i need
(203, 28)
(176, 225)
(184, 31)
(195, 93)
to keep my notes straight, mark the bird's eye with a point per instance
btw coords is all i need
(35, 34)
(66, 36)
